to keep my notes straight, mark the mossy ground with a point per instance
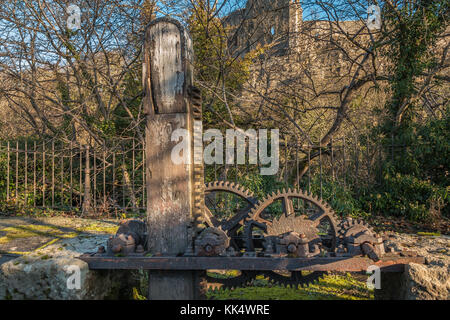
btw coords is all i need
(331, 287)
(32, 230)
(23, 233)
(98, 228)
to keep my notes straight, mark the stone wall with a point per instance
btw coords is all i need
(43, 275)
(419, 282)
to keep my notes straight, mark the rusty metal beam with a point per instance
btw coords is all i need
(392, 263)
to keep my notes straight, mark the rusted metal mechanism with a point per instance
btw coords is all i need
(231, 225)
(291, 224)
(290, 237)
(212, 242)
(131, 237)
(356, 237)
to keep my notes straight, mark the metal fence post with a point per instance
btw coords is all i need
(87, 205)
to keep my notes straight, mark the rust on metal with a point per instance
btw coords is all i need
(389, 263)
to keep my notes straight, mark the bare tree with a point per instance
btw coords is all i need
(322, 73)
(74, 84)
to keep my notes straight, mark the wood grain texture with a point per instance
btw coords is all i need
(168, 65)
(167, 75)
(169, 199)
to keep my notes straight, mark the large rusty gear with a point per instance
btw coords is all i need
(318, 210)
(230, 226)
(223, 283)
(289, 223)
(294, 279)
(299, 224)
(237, 190)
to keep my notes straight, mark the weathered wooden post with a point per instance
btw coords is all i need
(167, 76)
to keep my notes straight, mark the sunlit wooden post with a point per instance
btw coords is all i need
(167, 74)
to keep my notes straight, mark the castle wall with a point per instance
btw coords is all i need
(264, 22)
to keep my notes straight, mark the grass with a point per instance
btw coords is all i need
(331, 287)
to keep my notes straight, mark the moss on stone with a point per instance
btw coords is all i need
(98, 228)
(430, 234)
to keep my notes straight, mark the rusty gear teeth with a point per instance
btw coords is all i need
(230, 226)
(229, 187)
(244, 279)
(278, 226)
(237, 190)
(349, 223)
(296, 278)
(264, 243)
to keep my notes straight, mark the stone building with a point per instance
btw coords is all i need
(278, 26)
(264, 22)
(307, 65)
(292, 46)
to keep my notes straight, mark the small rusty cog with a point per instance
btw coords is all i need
(211, 241)
(317, 211)
(352, 227)
(354, 230)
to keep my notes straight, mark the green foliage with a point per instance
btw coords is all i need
(341, 198)
(412, 33)
(414, 182)
(432, 150)
(137, 295)
(218, 73)
(3, 170)
(262, 185)
(121, 119)
(407, 196)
